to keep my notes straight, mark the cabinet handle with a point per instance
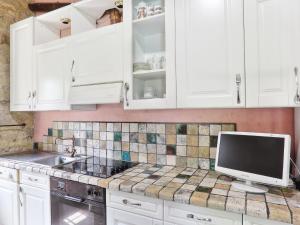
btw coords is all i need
(238, 80)
(203, 219)
(34, 99)
(72, 69)
(126, 87)
(32, 180)
(28, 100)
(20, 195)
(126, 202)
(297, 96)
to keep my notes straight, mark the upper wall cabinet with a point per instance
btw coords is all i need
(210, 53)
(150, 81)
(52, 76)
(21, 42)
(97, 56)
(272, 49)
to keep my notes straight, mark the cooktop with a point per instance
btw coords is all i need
(97, 167)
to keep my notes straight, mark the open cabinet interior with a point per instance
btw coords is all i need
(149, 60)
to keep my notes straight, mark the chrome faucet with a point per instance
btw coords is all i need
(73, 150)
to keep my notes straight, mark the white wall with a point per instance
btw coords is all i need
(297, 134)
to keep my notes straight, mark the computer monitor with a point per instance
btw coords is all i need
(254, 157)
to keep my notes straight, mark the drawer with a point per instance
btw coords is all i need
(8, 174)
(181, 214)
(135, 204)
(35, 180)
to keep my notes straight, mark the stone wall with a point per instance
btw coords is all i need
(11, 139)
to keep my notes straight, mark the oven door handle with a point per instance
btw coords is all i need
(73, 199)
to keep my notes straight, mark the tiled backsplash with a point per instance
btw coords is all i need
(191, 145)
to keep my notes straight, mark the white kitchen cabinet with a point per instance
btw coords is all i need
(21, 42)
(180, 214)
(52, 76)
(9, 201)
(118, 217)
(272, 47)
(149, 41)
(35, 206)
(247, 220)
(97, 56)
(210, 53)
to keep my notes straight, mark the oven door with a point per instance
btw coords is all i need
(74, 211)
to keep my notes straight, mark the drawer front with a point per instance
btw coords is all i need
(136, 204)
(180, 214)
(8, 174)
(35, 180)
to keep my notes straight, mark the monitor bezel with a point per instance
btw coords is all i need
(256, 177)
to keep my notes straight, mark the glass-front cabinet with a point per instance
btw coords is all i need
(149, 43)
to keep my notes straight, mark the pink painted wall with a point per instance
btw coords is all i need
(258, 120)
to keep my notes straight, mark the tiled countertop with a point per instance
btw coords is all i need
(188, 186)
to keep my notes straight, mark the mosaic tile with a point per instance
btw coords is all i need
(152, 158)
(142, 128)
(192, 140)
(214, 129)
(256, 209)
(142, 138)
(192, 129)
(117, 127)
(151, 128)
(143, 158)
(171, 149)
(161, 159)
(275, 199)
(133, 127)
(192, 162)
(151, 138)
(181, 161)
(208, 182)
(204, 129)
(167, 193)
(217, 191)
(216, 202)
(181, 150)
(279, 213)
(170, 129)
(236, 205)
(151, 148)
(142, 148)
(193, 151)
(160, 139)
(228, 127)
(125, 127)
(213, 141)
(204, 141)
(204, 164)
(181, 129)
(183, 196)
(171, 140)
(161, 149)
(171, 160)
(153, 191)
(181, 140)
(256, 197)
(161, 128)
(212, 164)
(139, 188)
(126, 156)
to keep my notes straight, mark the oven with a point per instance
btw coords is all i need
(74, 203)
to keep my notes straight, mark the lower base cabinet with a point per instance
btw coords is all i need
(9, 203)
(119, 217)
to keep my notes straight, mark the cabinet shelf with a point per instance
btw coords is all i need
(149, 74)
(150, 25)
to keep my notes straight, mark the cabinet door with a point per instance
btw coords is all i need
(21, 43)
(118, 217)
(98, 56)
(269, 52)
(9, 207)
(35, 207)
(247, 220)
(52, 76)
(149, 41)
(210, 53)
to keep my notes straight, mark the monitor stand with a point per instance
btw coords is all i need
(248, 186)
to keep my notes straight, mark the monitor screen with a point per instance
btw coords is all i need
(252, 154)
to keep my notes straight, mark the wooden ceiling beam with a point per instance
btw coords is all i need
(46, 6)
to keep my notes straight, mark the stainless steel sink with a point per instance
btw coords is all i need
(44, 158)
(56, 160)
